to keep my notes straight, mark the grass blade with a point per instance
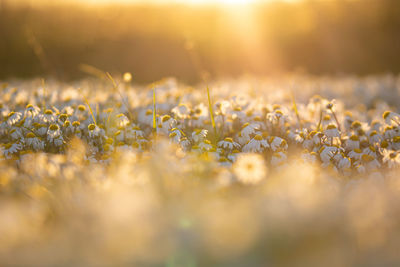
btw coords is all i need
(154, 111)
(211, 112)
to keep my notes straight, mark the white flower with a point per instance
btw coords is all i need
(309, 157)
(391, 117)
(344, 163)
(374, 137)
(257, 144)
(353, 142)
(228, 143)
(248, 129)
(205, 145)
(11, 148)
(233, 155)
(276, 143)
(185, 143)
(243, 139)
(167, 123)
(122, 120)
(389, 132)
(199, 135)
(33, 141)
(13, 118)
(182, 111)
(396, 143)
(136, 131)
(250, 169)
(175, 135)
(146, 116)
(94, 130)
(119, 136)
(391, 158)
(370, 151)
(222, 107)
(356, 154)
(278, 158)
(54, 135)
(49, 116)
(329, 152)
(370, 162)
(16, 133)
(332, 131)
(31, 110)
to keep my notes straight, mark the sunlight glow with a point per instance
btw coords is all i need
(188, 2)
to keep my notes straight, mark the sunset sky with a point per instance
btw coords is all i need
(163, 2)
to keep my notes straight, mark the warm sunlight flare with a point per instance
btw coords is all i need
(199, 133)
(189, 2)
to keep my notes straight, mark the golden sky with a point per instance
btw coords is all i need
(189, 2)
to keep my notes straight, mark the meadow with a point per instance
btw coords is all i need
(295, 171)
(199, 133)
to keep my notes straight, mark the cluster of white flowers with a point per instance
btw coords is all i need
(90, 167)
(345, 140)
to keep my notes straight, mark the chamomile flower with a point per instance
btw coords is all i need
(391, 158)
(356, 154)
(11, 148)
(278, 158)
(31, 110)
(250, 169)
(277, 143)
(34, 142)
(228, 143)
(94, 130)
(374, 137)
(332, 131)
(182, 111)
(353, 142)
(122, 120)
(167, 123)
(54, 135)
(199, 134)
(205, 145)
(391, 117)
(256, 144)
(249, 128)
(13, 118)
(370, 162)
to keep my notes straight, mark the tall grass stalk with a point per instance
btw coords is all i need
(154, 111)
(115, 87)
(211, 113)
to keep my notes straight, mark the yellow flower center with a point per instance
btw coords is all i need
(258, 137)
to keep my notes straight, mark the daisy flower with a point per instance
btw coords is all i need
(278, 158)
(122, 120)
(13, 118)
(391, 158)
(353, 142)
(228, 143)
(250, 169)
(94, 130)
(257, 144)
(276, 143)
(249, 128)
(332, 131)
(199, 134)
(391, 117)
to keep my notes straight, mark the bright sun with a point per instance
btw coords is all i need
(224, 2)
(195, 2)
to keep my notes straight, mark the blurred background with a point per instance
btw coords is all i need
(194, 39)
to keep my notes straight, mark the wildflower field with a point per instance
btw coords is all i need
(295, 171)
